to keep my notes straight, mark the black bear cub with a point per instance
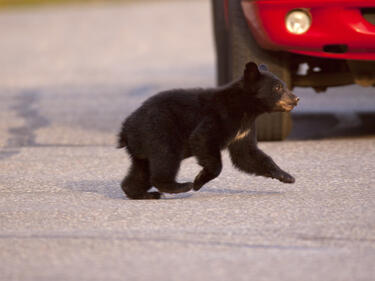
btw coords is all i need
(177, 124)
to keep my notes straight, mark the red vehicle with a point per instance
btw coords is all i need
(307, 43)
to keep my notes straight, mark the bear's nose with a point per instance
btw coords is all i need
(296, 100)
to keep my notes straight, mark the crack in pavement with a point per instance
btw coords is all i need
(24, 135)
(182, 241)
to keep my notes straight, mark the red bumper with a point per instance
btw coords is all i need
(333, 22)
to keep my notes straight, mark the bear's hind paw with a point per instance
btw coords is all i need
(152, 195)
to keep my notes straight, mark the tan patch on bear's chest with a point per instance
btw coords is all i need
(244, 130)
(241, 134)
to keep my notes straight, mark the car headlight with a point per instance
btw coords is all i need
(298, 21)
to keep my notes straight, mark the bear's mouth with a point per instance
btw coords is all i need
(284, 106)
(288, 107)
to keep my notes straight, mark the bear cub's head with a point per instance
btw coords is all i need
(270, 91)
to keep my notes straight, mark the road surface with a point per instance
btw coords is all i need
(68, 77)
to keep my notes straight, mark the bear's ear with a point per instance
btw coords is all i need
(263, 67)
(251, 72)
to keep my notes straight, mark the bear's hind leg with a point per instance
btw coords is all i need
(137, 182)
(164, 167)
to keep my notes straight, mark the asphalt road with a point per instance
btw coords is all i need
(68, 76)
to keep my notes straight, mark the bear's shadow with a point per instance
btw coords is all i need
(111, 189)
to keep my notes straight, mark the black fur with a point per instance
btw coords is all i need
(177, 124)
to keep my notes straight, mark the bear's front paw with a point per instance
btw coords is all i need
(283, 177)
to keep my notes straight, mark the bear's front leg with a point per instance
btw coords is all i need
(247, 157)
(268, 168)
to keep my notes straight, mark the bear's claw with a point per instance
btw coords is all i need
(285, 177)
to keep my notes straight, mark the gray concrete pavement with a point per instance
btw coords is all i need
(67, 79)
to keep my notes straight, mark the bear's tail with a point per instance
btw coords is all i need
(121, 140)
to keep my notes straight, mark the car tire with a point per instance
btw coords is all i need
(243, 48)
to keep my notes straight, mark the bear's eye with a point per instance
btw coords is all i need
(278, 88)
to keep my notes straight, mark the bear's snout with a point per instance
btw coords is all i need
(295, 100)
(287, 102)
(290, 98)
